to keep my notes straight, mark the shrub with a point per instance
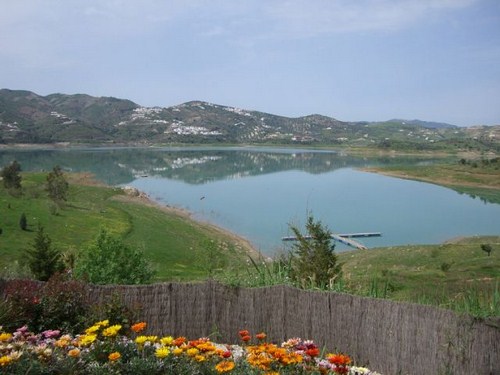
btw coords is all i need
(109, 261)
(23, 222)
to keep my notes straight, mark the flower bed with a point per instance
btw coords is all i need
(106, 349)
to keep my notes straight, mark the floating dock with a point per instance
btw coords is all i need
(345, 238)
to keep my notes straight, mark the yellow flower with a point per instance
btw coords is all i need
(177, 351)
(5, 360)
(192, 352)
(86, 340)
(102, 323)
(162, 352)
(111, 331)
(5, 337)
(152, 338)
(224, 366)
(140, 340)
(74, 353)
(92, 329)
(115, 356)
(167, 341)
(200, 358)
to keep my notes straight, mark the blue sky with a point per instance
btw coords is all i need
(435, 60)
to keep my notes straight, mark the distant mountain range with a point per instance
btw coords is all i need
(26, 117)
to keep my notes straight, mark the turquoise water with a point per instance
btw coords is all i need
(257, 193)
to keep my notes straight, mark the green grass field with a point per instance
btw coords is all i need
(178, 248)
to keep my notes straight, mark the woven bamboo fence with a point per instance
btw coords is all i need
(389, 337)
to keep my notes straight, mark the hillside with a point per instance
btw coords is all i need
(26, 117)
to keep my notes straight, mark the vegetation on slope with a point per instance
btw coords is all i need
(478, 178)
(178, 247)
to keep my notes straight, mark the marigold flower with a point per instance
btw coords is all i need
(224, 366)
(312, 352)
(138, 327)
(200, 358)
(246, 338)
(162, 352)
(74, 353)
(261, 336)
(115, 356)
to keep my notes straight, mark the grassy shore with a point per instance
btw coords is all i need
(178, 247)
(476, 178)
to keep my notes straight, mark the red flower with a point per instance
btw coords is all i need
(246, 338)
(244, 332)
(261, 336)
(312, 352)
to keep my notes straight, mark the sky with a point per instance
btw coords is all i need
(354, 60)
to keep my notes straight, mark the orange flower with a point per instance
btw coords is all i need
(224, 366)
(246, 338)
(138, 327)
(261, 336)
(115, 356)
(74, 353)
(313, 352)
(179, 341)
(244, 333)
(339, 359)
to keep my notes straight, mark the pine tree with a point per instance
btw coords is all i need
(313, 259)
(43, 260)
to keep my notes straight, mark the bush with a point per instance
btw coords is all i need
(23, 222)
(109, 261)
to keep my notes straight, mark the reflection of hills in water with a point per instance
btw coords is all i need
(193, 166)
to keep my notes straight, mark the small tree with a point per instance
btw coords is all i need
(43, 260)
(109, 261)
(23, 222)
(11, 177)
(487, 248)
(313, 260)
(57, 186)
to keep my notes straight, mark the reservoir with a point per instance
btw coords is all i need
(258, 192)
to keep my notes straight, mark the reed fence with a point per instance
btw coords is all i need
(386, 336)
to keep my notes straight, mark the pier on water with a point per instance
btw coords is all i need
(345, 238)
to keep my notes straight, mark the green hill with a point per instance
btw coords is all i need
(178, 247)
(26, 117)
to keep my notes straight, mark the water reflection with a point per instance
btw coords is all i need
(193, 166)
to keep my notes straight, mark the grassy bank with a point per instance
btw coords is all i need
(178, 247)
(479, 178)
(450, 275)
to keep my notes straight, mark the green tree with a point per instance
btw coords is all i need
(313, 260)
(43, 260)
(23, 222)
(57, 186)
(487, 248)
(11, 177)
(109, 261)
